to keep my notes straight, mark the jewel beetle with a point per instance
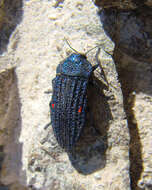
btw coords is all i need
(69, 99)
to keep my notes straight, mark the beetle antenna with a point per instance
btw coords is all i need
(91, 49)
(71, 47)
(79, 52)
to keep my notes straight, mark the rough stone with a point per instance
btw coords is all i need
(138, 101)
(142, 112)
(11, 149)
(108, 156)
(125, 5)
(36, 47)
(10, 16)
(131, 32)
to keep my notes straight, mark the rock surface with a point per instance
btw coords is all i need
(10, 15)
(45, 165)
(115, 148)
(125, 5)
(131, 32)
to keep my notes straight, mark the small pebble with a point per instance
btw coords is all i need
(70, 170)
(97, 176)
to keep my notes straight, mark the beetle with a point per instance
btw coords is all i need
(69, 99)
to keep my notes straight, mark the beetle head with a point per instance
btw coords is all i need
(75, 65)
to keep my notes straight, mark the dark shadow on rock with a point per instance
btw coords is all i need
(131, 33)
(89, 153)
(12, 15)
(130, 30)
(12, 149)
(17, 132)
(4, 187)
(1, 155)
(126, 76)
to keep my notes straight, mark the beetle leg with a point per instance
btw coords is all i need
(47, 125)
(95, 67)
(48, 92)
(102, 73)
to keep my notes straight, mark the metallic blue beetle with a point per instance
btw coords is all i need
(69, 99)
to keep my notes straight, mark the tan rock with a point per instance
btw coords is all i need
(101, 160)
(126, 4)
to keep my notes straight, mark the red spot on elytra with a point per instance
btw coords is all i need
(52, 105)
(80, 109)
